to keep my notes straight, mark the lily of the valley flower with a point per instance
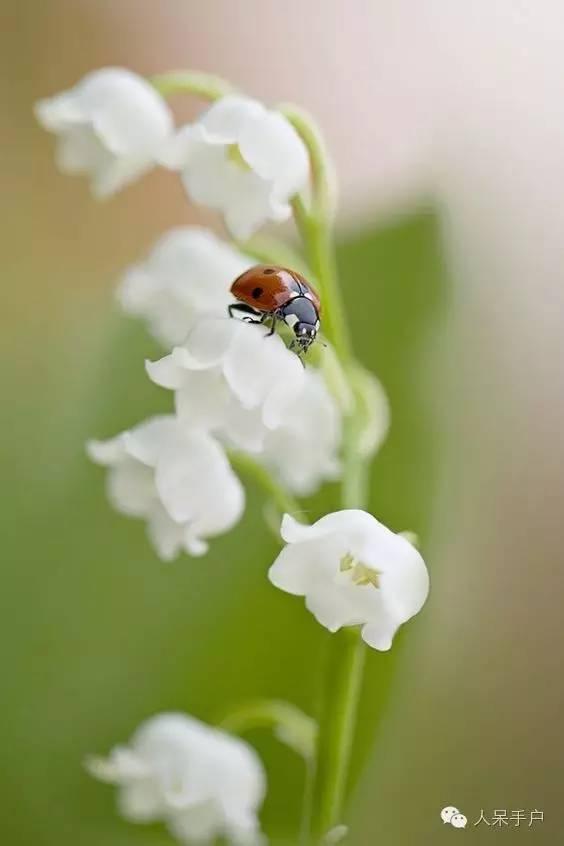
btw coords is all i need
(203, 783)
(241, 159)
(187, 274)
(352, 571)
(110, 127)
(178, 480)
(230, 379)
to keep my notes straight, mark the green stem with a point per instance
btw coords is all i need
(343, 678)
(347, 651)
(251, 469)
(317, 236)
(337, 727)
(291, 726)
(204, 85)
(322, 170)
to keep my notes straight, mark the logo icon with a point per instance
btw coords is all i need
(452, 816)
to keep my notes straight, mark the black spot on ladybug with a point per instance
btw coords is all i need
(257, 293)
(269, 270)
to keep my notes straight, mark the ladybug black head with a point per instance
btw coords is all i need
(306, 334)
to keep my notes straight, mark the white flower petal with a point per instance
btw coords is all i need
(196, 484)
(131, 488)
(209, 177)
(406, 580)
(293, 531)
(274, 150)
(329, 607)
(300, 567)
(243, 428)
(225, 120)
(203, 400)
(146, 441)
(122, 765)
(57, 113)
(106, 452)
(179, 149)
(261, 371)
(168, 371)
(283, 393)
(209, 341)
(127, 113)
(117, 173)
(201, 824)
(247, 203)
(310, 431)
(139, 802)
(166, 536)
(379, 633)
(80, 151)
(194, 546)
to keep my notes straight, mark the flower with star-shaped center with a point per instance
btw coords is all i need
(352, 571)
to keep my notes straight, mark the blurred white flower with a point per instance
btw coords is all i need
(110, 126)
(241, 159)
(188, 273)
(230, 379)
(304, 450)
(202, 782)
(178, 480)
(352, 571)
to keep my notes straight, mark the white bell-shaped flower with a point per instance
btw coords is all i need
(202, 782)
(178, 480)
(187, 274)
(110, 127)
(304, 450)
(352, 571)
(229, 378)
(241, 159)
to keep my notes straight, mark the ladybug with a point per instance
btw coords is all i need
(269, 293)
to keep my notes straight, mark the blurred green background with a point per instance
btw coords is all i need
(97, 634)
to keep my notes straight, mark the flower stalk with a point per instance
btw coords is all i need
(345, 665)
(343, 684)
(204, 85)
(248, 468)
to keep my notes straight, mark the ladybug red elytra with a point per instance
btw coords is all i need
(279, 294)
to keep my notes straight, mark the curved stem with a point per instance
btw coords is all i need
(251, 469)
(317, 236)
(322, 170)
(291, 726)
(204, 85)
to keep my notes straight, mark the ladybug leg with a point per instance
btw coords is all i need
(244, 312)
(298, 350)
(274, 316)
